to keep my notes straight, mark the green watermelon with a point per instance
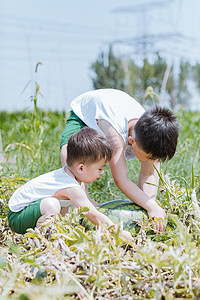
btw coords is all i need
(121, 210)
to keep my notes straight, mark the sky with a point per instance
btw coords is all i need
(66, 37)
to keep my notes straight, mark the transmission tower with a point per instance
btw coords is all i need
(144, 42)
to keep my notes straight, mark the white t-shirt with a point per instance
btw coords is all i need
(111, 105)
(42, 187)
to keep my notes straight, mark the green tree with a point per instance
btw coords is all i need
(146, 78)
(196, 75)
(171, 94)
(108, 72)
(183, 94)
(160, 66)
(146, 75)
(133, 70)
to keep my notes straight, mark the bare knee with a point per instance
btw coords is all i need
(50, 206)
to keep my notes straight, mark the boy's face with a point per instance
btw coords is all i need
(91, 172)
(139, 153)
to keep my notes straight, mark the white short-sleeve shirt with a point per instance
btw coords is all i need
(112, 105)
(42, 187)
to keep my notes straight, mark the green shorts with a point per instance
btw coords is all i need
(73, 125)
(26, 218)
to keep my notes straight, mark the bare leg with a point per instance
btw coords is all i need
(48, 206)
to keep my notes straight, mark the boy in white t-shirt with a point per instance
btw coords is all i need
(150, 136)
(53, 192)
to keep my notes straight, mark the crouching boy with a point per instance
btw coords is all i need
(49, 194)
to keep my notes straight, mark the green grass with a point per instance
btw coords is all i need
(64, 261)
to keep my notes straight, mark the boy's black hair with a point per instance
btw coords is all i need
(88, 146)
(156, 133)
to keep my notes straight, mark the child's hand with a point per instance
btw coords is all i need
(159, 213)
(125, 234)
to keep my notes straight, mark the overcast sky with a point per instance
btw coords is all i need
(67, 36)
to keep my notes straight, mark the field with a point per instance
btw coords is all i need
(66, 262)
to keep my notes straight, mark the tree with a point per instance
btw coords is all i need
(196, 75)
(183, 94)
(144, 80)
(108, 72)
(146, 76)
(124, 74)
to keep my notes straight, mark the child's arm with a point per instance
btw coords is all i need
(79, 198)
(133, 192)
(63, 154)
(148, 174)
(119, 172)
(87, 193)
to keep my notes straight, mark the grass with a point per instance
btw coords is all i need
(65, 262)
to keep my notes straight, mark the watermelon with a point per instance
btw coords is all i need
(121, 210)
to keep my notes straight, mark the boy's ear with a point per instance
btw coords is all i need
(131, 140)
(80, 168)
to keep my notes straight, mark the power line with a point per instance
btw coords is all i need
(144, 7)
(38, 24)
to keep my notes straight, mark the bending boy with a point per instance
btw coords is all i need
(150, 136)
(53, 192)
